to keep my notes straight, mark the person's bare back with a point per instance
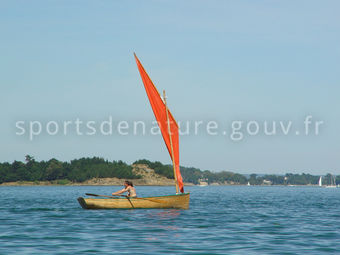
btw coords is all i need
(131, 191)
(128, 188)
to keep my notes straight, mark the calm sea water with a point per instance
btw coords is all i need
(221, 220)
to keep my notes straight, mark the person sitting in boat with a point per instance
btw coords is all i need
(128, 188)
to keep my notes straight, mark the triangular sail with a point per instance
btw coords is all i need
(160, 110)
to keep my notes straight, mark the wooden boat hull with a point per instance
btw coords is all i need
(180, 201)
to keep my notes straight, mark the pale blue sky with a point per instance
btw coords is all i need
(218, 60)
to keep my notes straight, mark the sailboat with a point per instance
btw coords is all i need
(320, 181)
(170, 134)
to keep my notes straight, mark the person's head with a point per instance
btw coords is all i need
(128, 183)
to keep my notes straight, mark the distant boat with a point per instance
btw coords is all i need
(170, 133)
(248, 184)
(203, 182)
(320, 181)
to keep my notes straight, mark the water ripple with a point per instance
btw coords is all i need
(221, 220)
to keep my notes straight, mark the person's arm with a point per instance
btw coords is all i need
(119, 192)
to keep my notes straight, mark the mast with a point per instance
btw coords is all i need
(172, 149)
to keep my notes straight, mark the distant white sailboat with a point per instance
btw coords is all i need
(320, 181)
(248, 184)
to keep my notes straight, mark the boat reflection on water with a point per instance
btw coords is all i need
(166, 214)
(163, 221)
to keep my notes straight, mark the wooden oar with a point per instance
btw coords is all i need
(95, 195)
(152, 200)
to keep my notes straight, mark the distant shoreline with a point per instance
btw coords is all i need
(98, 171)
(137, 182)
(96, 182)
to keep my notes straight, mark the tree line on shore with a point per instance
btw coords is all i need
(196, 176)
(77, 170)
(80, 170)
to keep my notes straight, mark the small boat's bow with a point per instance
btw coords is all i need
(82, 202)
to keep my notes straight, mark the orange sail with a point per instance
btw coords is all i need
(169, 129)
